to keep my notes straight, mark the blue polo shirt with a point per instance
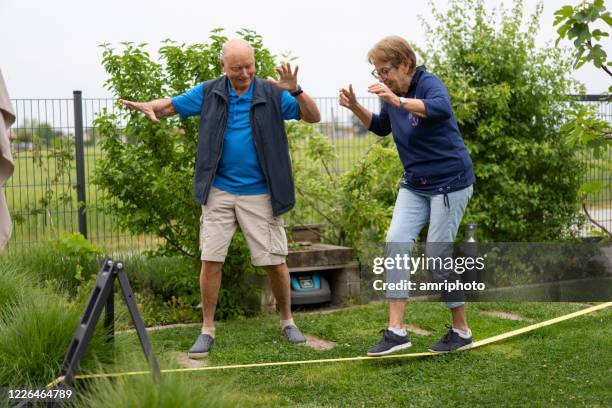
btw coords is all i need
(239, 171)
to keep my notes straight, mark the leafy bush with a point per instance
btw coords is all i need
(509, 100)
(356, 205)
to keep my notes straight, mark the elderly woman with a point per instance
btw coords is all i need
(438, 174)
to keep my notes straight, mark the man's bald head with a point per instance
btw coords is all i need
(238, 63)
(237, 47)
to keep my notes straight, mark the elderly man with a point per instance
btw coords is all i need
(243, 172)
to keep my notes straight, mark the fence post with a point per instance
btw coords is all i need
(80, 161)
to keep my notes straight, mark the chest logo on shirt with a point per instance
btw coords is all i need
(414, 120)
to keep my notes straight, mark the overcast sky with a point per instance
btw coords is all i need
(51, 47)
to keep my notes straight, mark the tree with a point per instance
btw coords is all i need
(509, 99)
(585, 129)
(575, 24)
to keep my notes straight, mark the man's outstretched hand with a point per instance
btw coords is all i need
(144, 107)
(287, 79)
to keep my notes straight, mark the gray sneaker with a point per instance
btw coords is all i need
(201, 347)
(451, 341)
(389, 343)
(293, 334)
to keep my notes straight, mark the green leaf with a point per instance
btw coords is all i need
(562, 31)
(591, 187)
(597, 34)
(564, 12)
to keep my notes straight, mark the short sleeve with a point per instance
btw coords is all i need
(189, 103)
(289, 106)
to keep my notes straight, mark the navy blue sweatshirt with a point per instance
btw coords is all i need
(431, 149)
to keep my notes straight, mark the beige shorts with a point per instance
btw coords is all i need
(264, 233)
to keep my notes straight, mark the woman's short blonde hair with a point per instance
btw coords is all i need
(394, 50)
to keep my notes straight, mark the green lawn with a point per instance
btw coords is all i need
(567, 364)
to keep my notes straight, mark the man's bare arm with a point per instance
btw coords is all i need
(309, 111)
(154, 109)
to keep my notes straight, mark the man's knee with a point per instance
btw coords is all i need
(211, 267)
(276, 269)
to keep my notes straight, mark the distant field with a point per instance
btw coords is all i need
(30, 182)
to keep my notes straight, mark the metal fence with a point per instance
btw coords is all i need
(47, 186)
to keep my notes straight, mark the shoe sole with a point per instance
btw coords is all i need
(391, 350)
(197, 356)
(467, 346)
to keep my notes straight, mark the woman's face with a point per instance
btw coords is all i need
(395, 78)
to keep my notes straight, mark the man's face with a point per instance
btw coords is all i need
(394, 77)
(239, 67)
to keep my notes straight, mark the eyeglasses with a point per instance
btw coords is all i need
(382, 73)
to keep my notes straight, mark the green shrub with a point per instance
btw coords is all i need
(164, 276)
(357, 205)
(35, 335)
(510, 101)
(45, 264)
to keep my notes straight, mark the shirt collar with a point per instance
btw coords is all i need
(417, 75)
(248, 94)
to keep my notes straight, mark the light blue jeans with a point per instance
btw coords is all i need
(410, 214)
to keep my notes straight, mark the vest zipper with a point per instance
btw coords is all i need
(212, 180)
(252, 117)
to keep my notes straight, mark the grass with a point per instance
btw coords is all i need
(34, 335)
(142, 392)
(166, 288)
(567, 364)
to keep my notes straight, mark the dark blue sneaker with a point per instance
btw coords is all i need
(451, 341)
(389, 343)
(201, 347)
